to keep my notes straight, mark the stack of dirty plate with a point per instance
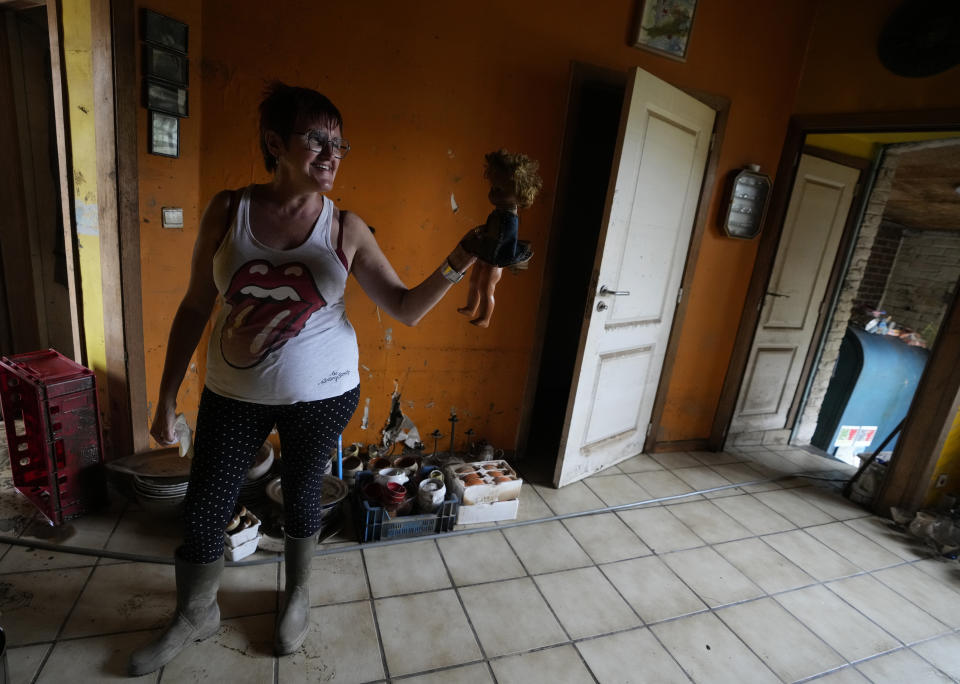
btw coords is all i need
(253, 492)
(160, 494)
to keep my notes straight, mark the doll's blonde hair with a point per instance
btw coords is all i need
(516, 172)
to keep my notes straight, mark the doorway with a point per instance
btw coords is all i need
(628, 267)
(590, 137)
(36, 311)
(843, 303)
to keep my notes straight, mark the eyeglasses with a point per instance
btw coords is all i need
(317, 141)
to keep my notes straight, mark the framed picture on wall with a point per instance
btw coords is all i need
(165, 65)
(163, 97)
(164, 31)
(164, 135)
(664, 27)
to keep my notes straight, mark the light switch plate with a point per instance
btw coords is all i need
(172, 217)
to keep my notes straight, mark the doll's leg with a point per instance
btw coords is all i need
(488, 285)
(473, 296)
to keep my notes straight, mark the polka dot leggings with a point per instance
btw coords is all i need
(229, 434)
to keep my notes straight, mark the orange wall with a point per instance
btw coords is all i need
(426, 89)
(167, 182)
(843, 74)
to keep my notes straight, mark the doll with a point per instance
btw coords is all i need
(514, 184)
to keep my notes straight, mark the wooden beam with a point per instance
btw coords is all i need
(928, 422)
(65, 171)
(126, 108)
(120, 441)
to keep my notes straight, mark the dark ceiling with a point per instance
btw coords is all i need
(924, 194)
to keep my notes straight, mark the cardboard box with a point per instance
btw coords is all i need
(486, 490)
(488, 512)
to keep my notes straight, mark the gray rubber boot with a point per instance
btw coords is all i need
(197, 618)
(295, 618)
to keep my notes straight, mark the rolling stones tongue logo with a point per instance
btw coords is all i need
(268, 306)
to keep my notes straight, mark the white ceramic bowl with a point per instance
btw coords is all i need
(397, 475)
(262, 462)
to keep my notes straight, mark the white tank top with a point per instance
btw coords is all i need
(282, 334)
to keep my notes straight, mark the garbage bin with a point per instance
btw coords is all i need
(871, 391)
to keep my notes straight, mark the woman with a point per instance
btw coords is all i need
(282, 353)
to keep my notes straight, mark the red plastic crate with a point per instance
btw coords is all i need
(53, 433)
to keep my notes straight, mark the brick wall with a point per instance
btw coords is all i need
(923, 279)
(877, 271)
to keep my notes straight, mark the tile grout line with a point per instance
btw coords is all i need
(43, 661)
(547, 602)
(463, 607)
(376, 620)
(537, 587)
(63, 624)
(643, 623)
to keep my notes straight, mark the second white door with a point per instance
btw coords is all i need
(816, 215)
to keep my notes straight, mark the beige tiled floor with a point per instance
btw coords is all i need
(778, 581)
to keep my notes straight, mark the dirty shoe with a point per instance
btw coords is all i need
(197, 618)
(295, 619)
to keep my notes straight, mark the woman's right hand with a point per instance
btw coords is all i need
(162, 428)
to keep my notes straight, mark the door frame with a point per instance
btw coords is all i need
(938, 394)
(581, 71)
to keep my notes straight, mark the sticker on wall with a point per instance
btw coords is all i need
(865, 436)
(847, 435)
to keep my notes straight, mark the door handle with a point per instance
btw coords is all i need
(777, 294)
(618, 293)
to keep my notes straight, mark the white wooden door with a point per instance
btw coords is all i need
(651, 203)
(819, 204)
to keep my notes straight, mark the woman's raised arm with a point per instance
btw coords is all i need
(382, 284)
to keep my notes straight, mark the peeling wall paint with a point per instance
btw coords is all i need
(86, 218)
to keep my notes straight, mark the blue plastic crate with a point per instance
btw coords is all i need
(373, 523)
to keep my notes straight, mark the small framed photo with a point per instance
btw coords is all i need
(664, 27)
(164, 31)
(165, 65)
(164, 135)
(163, 97)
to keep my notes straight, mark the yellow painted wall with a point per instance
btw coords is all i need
(865, 145)
(948, 464)
(78, 68)
(847, 143)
